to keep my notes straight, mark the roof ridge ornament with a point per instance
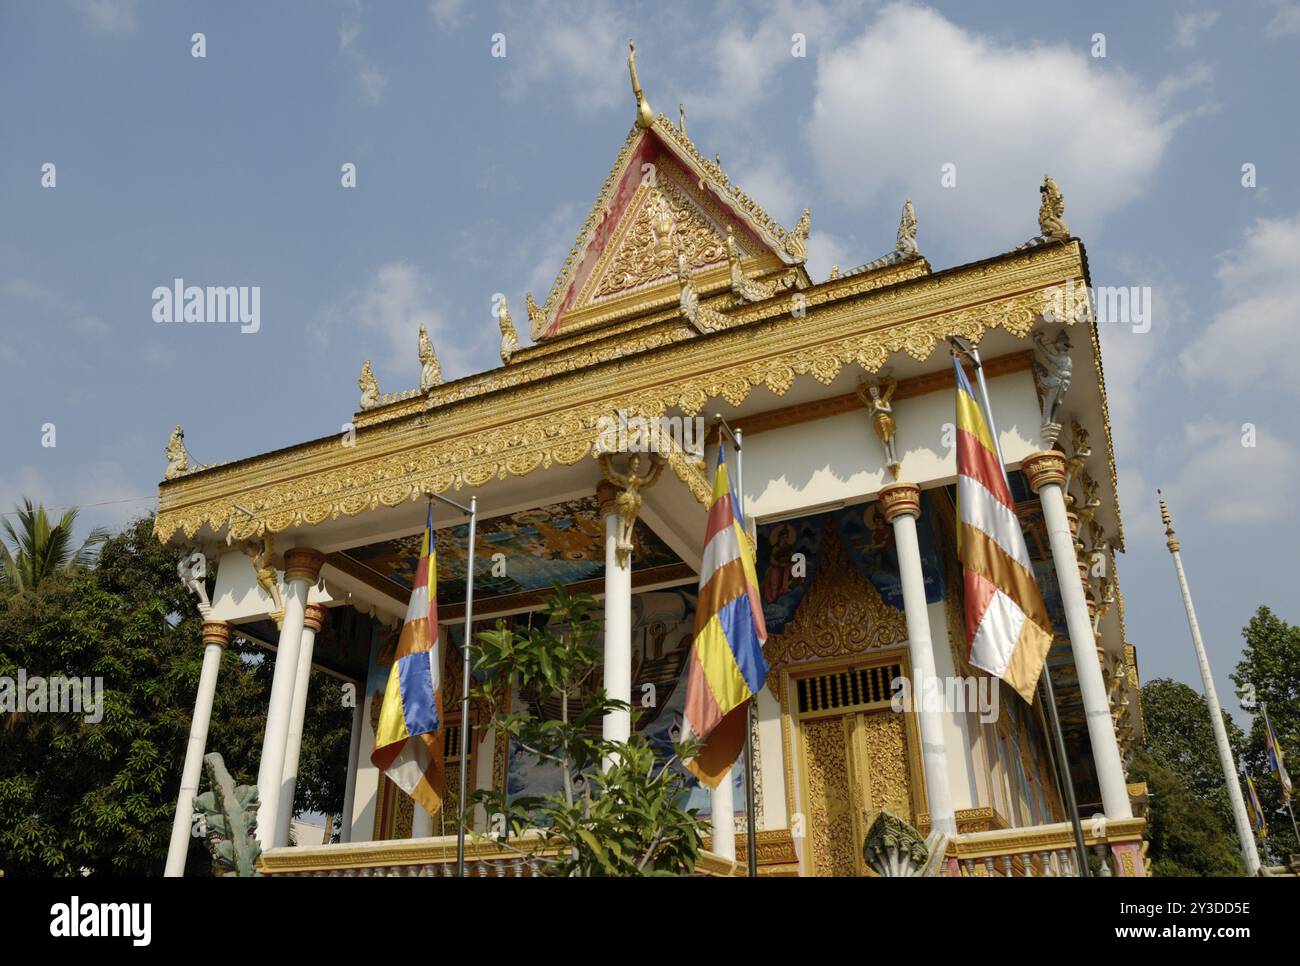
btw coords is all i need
(796, 241)
(1051, 213)
(906, 246)
(702, 317)
(644, 116)
(509, 337)
(430, 370)
(369, 387)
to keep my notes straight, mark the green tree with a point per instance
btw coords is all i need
(1178, 733)
(1269, 674)
(79, 796)
(625, 819)
(1185, 835)
(37, 550)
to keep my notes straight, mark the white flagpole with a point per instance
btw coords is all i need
(1245, 835)
(467, 669)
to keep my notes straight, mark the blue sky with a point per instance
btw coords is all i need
(474, 173)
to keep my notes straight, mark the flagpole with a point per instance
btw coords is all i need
(472, 510)
(1245, 836)
(1281, 765)
(1064, 776)
(751, 836)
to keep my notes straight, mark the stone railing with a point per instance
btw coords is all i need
(1049, 851)
(412, 858)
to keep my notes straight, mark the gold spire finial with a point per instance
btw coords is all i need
(681, 110)
(644, 116)
(1170, 540)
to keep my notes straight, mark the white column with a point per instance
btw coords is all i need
(354, 761)
(723, 808)
(617, 725)
(1046, 473)
(313, 616)
(1245, 835)
(301, 568)
(901, 505)
(216, 635)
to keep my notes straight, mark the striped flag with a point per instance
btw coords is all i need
(1008, 632)
(408, 741)
(1256, 810)
(1276, 764)
(726, 667)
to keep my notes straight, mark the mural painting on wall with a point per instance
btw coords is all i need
(663, 624)
(789, 550)
(563, 542)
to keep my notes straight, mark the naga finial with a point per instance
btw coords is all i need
(681, 111)
(178, 458)
(1051, 213)
(796, 242)
(509, 337)
(644, 116)
(430, 370)
(536, 313)
(369, 386)
(906, 243)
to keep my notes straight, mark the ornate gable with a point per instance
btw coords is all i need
(661, 195)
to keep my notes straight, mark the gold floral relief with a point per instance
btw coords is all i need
(830, 804)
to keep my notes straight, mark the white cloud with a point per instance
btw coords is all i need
(916, 91)
(371, 81)
(1286, 18)
(394, 304)
(108, 16)
(770, 183)
(447, 14)
(826, 250)
(584, 50)
(1188, 25)
(1254, 338)
(1216, 453)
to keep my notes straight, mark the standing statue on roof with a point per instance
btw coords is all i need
(906, 244)
(430, 371)
(1051, 213)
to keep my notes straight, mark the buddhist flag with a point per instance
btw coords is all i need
(1276, 764)
(1256, 810)
(726, 667)
(1008, 632)
(408, 741)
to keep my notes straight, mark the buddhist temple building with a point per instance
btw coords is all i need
(682, 301)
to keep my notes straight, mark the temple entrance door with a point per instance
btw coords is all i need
(855, 757)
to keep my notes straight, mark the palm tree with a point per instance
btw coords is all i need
(40, 550)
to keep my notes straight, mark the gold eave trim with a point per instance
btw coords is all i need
(515, 430)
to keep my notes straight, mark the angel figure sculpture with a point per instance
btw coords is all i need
(878, 400)
(1053, 376)
(628, 501)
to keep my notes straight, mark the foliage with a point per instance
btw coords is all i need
(620, 811)
(1190, 825)
(79, 797)
(1269, 674)
(40, 550)
(1186, 836)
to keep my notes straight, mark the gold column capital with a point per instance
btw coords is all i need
(900, 499)
(1042, 468)
(303, 563)
(313, 617)
(216, 632)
